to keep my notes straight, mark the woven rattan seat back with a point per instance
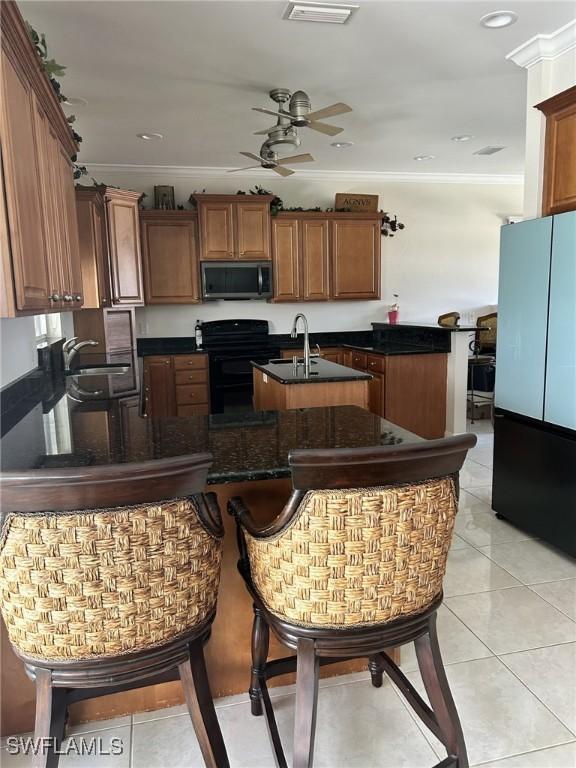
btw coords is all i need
(99, 583)
(358, 556)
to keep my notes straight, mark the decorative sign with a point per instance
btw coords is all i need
(352, 202)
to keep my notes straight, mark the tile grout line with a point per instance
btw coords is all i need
(531, 588)
(521, 754)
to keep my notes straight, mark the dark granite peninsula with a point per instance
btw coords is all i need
(321, 372)
(250, 460)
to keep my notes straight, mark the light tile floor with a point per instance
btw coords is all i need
(508, 636)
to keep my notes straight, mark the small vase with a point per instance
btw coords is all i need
(393, 316)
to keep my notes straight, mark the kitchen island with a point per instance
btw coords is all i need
(250, 460)
(282, 384)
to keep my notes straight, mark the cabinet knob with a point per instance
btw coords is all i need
(67, 297)
(78, 297)
(55, 297)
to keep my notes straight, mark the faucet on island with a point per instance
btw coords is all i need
(70, 349)
(294, 335)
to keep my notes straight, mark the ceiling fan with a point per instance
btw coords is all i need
(299, 112)
(269, 159)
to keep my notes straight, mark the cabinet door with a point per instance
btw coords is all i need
(560, 160)
(159, 389)
(23, 199)
(252, 231)
(70, 255)
(315, 260)
(216, 231)
(560, 394)
(170, 259)
(355, 259)
(124, 249)
(523, 316)
(93, 252)
(376, 394)
(286, 258)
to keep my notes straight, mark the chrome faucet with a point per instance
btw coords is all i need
(70, 349)
(294, 335)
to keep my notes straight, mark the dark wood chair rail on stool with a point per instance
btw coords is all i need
(114, 588)
(354, 565)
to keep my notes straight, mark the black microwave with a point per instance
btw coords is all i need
(236, 280)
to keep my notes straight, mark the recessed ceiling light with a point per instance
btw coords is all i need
(150, 136)
(424, 157)
(498, 19)
(342, 144)
(329, 13)
(75, 101)
(463, 137)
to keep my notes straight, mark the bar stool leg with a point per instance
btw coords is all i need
(376, 671)
(260, 645)
(50, 720)
(307, 675)
(439, 694)
(201, 707)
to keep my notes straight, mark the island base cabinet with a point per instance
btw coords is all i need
(415, 393)
(270, 394)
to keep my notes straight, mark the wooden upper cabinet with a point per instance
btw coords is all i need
(253, 230)
(217, 231)
(234, 227)
(315, 260)
(24, 204)
(356, 258)
(286, 259)
(41, 238)
(93, 247)
(124, 246)
(170, 257)
(559, 183)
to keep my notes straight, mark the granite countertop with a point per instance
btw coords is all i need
(250, 446)
(449, 328)
(321, 372)
(394, 349)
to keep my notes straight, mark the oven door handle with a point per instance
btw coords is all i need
(259, 280)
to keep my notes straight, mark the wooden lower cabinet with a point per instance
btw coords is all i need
(333, 354)
(176, 385)
(272, 395)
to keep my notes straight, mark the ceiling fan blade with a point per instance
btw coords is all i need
(270, 112)
(266, 131)
(282, 171)
(296, 159)
(252, 156)
(333, 109)
(249, 168)
(329, 130)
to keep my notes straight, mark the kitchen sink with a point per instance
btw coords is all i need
(104, 370)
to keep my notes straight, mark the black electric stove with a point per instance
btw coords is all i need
(231, 345)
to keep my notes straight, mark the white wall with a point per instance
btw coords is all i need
(446, 259)
(545, 79)
(17, 348)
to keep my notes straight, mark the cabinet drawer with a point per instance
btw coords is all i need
(376, 363)
(193, 410)
(359, 361)
(191, 393)
(191, 376)
(185, 362)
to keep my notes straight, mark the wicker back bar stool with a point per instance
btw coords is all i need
(354, 565)
(113, 588)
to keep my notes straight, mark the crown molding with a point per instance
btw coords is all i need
(545, 47)
(342, 177)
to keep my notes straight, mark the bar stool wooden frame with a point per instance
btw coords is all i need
(315, 647)
(61, 683)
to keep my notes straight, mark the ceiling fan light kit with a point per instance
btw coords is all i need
(294, 111)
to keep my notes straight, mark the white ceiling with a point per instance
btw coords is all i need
(415, 73)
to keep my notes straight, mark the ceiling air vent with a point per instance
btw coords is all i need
(489, 150)
(327, 13)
